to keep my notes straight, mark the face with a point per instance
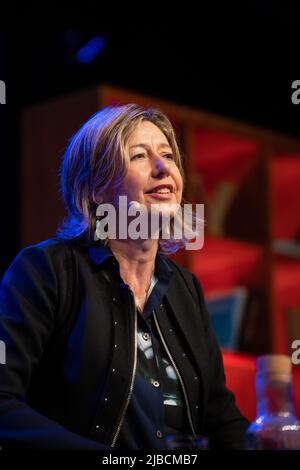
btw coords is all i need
(153, 176)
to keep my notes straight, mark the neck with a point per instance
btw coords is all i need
(136, 257)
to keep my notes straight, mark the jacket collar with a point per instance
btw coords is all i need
(100, 253)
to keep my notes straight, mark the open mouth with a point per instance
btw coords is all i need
(163, 189)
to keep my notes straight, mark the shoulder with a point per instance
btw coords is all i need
(50, 250)
(53, 248)
(48, 258)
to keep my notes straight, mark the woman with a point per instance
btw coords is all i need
(108, 341)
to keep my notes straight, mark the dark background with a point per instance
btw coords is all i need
(236, 61)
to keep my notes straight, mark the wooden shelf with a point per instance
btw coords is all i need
(286, 301)
(225, 263)
(285, 190)
(247, 177)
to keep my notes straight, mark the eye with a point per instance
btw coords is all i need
(169, 156)
(139, 156)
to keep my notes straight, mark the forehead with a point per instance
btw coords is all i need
(147, 133)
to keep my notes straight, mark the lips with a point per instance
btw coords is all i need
(161, 189)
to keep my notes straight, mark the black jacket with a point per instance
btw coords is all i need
(68, 349)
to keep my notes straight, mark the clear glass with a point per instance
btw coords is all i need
(184, 442)
(276, 426)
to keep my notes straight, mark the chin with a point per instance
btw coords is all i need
(165, 209)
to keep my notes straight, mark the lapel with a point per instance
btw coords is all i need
(188, 316)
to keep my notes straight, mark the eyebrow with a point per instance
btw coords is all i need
(162, 144)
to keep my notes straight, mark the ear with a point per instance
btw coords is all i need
(104, 196)
(98, 199)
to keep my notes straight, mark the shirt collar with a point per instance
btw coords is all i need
(100, 253)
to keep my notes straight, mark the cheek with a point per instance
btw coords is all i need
(179, 182)
(133, 183)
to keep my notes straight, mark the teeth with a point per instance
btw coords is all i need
(162, 190)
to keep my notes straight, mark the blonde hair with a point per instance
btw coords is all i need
(97, 159)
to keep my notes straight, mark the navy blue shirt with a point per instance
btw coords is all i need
(157, 407)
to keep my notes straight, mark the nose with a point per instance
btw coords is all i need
(161, 167)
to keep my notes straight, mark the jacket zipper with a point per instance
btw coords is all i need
(131, 382)
(179, 375)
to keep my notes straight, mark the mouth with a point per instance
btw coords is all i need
(161, 190)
